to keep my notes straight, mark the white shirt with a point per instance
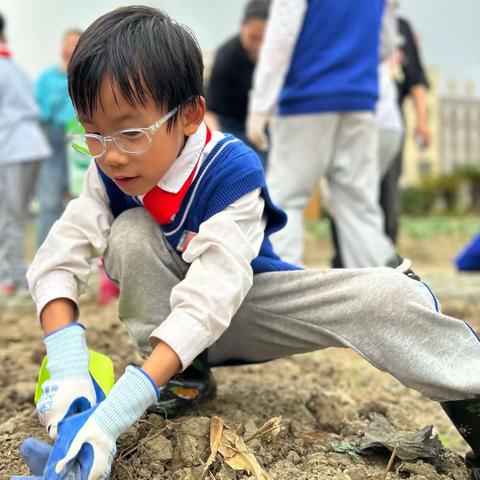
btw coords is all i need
(220, 256)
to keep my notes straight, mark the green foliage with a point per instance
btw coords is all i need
(413, 226)
(450, 193)
(418, 200)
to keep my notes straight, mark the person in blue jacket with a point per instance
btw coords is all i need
(317, 80)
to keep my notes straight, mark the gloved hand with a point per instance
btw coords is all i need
(70, 388)
(89, 437)
(256, 130)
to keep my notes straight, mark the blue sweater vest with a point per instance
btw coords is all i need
(229, 172)
(335, 60)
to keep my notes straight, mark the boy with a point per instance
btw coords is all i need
(182, 217)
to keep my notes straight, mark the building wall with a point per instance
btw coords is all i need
(454, 119)
(460, 139)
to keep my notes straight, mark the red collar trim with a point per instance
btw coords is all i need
(5, 52)
(163, 205)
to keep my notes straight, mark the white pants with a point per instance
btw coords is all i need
(342, 147)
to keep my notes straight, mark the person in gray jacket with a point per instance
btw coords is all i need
(22, 147)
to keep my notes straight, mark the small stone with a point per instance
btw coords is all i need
(160, 448)
(358, 472)
(293, 457)
(196, 426)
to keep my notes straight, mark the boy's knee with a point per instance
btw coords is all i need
(131, 231)
(395, 290)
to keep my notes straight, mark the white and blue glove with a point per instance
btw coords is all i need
(89, 438)
(70, 389)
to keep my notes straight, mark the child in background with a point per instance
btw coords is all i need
(22, 148)
(182, 217)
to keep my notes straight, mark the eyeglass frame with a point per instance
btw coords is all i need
(149, 132)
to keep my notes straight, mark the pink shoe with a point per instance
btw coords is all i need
(7, 289)
(107, 291)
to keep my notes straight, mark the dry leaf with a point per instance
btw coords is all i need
(244, 459)
(233, 450)
(271, 426)
(216, 430)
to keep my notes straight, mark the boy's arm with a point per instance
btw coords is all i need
(59, 269)
(219, 278)
(203, 304)
(61, 266)
(57, 314)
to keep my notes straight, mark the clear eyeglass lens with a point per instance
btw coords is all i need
(86, 145)
(132, 141)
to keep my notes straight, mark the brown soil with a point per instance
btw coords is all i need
(323, 398)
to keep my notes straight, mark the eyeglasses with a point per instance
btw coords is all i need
(132, 140)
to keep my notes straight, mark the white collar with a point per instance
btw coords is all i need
(183, 166)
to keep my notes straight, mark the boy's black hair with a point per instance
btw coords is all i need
(144, 53)
(256, 9)
(2, 26)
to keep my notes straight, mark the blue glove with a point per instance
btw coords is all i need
(89, 438)
(35, 453)
(70, 388)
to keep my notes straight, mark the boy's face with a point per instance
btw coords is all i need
(138, 174)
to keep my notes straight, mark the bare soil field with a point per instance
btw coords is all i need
(325, 399)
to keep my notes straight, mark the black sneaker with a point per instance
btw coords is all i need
(403, 265)
(185, 390)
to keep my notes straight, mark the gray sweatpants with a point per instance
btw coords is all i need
(17, 183)
(343, 148)
(386, 317)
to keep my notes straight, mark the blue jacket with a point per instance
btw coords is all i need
(335, 60)
(56, 108)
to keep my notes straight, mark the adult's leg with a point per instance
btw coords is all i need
(389, 196)
(301, 149)
(353, 179)
(389, 143)
(16, 186)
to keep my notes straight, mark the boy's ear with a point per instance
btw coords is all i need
(192, 116)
